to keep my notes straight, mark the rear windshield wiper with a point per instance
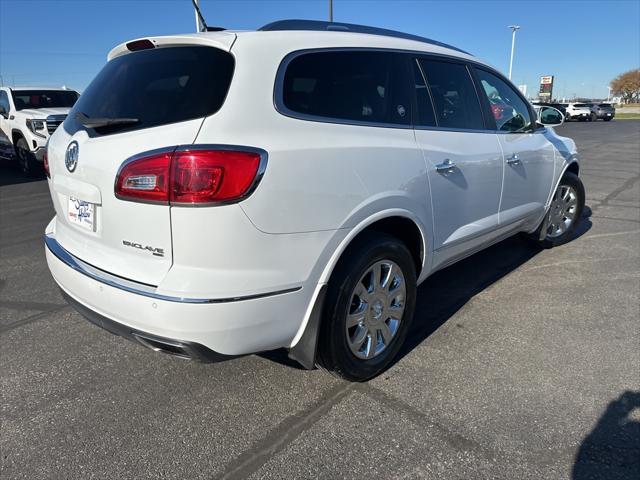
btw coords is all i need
(104, 122)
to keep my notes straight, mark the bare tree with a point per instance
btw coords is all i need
(627, 85)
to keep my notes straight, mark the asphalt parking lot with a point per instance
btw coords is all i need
(522, 364)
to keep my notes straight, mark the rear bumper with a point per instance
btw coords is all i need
(178, 348)
(205, 329)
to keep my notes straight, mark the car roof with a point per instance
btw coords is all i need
(306, 34)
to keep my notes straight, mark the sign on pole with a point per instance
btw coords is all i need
(546, 87)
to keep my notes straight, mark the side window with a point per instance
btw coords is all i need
(509, 110)
(425, 117)
(359, 86)
(4, 101)
(454, 96)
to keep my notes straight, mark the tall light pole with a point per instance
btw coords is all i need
(609, 94)
(331, 10)
(514, 29)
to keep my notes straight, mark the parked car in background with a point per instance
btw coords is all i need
(604, 111)
(28, 116)
(334, 167)
(577, 111)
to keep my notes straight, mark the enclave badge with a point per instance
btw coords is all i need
(71, 156)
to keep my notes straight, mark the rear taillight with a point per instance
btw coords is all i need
(189, 177)
(45, 163)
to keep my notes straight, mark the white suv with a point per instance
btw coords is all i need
(28, 116)
(577, 111)
(225, 193)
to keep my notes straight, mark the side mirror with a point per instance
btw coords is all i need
(550, 116)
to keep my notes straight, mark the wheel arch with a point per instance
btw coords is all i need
(16, 135)
(401, 224)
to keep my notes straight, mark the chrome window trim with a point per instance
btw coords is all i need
(280, 107)
(139, 288)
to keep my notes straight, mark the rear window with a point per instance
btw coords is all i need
(23, 99)
(158, 87)
(353, 86)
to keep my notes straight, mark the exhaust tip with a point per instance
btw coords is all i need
(173, 349)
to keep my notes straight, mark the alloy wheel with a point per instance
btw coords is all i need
(376, 309)
(562, 211)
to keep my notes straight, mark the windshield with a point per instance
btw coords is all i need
(155, 87)
(585, 105)
(23, 99)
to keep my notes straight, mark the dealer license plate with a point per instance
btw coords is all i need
(81, 213)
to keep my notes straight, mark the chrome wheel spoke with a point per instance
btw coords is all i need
(372, 343)
(376, 310)
(387, 335)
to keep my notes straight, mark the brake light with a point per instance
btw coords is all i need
(145, 179)
(45, 163)
(189, 177)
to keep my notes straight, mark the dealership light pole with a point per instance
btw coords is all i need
(331, 10)
(609, 94)
(514, 29)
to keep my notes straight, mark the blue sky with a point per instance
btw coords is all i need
(583, 43)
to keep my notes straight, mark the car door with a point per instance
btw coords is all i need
(464, 161)
(528, 155)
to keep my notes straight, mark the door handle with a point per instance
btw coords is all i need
(513, 159)
(446, 167)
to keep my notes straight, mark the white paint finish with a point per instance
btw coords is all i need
(465, 201)
(232, 328)
(99, 159)
(324, 184)
(527, 184)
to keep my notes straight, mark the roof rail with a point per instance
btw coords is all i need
(318, 25)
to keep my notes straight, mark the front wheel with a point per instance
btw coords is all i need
(26, 159)
(368, 309)
(593, 117)
(564, 213)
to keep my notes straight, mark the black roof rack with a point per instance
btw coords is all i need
(318, 25)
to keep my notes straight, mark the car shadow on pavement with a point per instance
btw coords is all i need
(447, 291)
(10, 174)
(612, 450)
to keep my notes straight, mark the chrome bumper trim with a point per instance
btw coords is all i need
(136, 287)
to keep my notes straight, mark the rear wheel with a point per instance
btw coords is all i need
(26, 159)
(564, 213)
(593, 117)
(369, 306)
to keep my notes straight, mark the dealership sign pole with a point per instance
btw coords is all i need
(546, 87)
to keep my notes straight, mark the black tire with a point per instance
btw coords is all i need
(582, 119)
(572, 180)
(26, 159)
(593, 117)
(334, 353)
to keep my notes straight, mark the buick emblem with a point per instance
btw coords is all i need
(71, 156)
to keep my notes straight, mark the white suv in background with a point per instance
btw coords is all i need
(28, 116)
(224, 193)
(577, 111)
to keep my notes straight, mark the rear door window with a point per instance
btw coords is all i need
(352, 86)
(454, 96)
(157, 87)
